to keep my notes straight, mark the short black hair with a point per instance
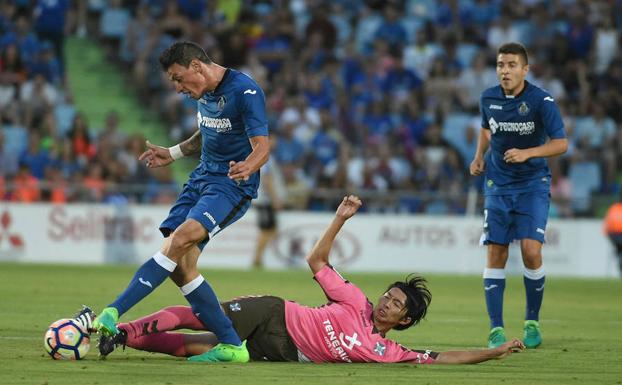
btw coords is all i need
(418, 298)
(515, 49)
(182, 53)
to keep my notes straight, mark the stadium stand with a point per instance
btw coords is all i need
(378, 97)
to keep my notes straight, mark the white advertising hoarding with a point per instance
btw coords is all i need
(95, 234)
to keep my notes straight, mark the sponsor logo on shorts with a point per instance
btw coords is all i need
(490, 287)
(210, 217)
(235, 306)
(539, 230)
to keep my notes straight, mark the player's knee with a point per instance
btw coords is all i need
(183, 240)
(532, 256)
(497, 256)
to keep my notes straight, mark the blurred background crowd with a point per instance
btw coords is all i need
(377, 97)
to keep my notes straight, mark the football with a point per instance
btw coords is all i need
(67, 339)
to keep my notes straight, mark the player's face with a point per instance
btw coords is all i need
(188, 81)
(391, 307)
(511, 72)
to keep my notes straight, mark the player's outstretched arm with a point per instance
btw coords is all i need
(318, 257)
(477, 356)
(158, 156)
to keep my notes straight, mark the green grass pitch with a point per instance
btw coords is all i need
(581, 322)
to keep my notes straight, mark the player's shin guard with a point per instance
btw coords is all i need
(149, 276)
(494, 286)
(534, 290)
(207, 308)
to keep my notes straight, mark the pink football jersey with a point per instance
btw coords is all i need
(343, 329)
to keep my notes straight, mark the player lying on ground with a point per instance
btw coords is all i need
(347, 329)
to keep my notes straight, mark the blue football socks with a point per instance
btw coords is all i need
(206, 307)
(149, 276)
(534, 291)
(494, 286)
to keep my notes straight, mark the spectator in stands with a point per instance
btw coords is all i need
(37, 96)
(50, 24)
(25, 186)
(13, 71)
(34, 157)
(94, 181)
(80, 138)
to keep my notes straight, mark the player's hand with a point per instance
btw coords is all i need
(514, 155)
(349, 206)
(510, 347)
(239, 171)
(156, 156)
(478, 165)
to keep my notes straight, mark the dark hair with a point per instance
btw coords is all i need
(516, 49)
(418, 298)
(182, 53)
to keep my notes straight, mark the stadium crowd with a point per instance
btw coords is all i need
(378, 97)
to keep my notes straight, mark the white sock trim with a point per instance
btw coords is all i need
(494, 273)
(535, 274)
(192, 285)
(164, 261)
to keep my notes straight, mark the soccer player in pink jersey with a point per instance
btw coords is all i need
(348, 328)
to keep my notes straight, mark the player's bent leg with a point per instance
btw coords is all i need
(206, 307)
(148, 277)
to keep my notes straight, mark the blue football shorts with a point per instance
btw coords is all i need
(214, 201)
(515, 216)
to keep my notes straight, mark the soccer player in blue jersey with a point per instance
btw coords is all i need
(517, 119)
(233, 142)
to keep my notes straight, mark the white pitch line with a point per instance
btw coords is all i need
(17, 338)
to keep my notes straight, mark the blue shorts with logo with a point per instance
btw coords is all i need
(515, 216)
(214, 201)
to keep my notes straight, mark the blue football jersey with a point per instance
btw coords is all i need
(523, 121)
(227, 117)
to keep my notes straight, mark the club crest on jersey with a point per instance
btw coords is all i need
(380, 348)
(523, 108)
(221, 103)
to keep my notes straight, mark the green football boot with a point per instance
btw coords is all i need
(496, 337)
(532, 337)
(224, 353)
(106, 322)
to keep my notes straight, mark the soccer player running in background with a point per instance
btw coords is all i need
(348, 328)
(517, 118)
(233, 142)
